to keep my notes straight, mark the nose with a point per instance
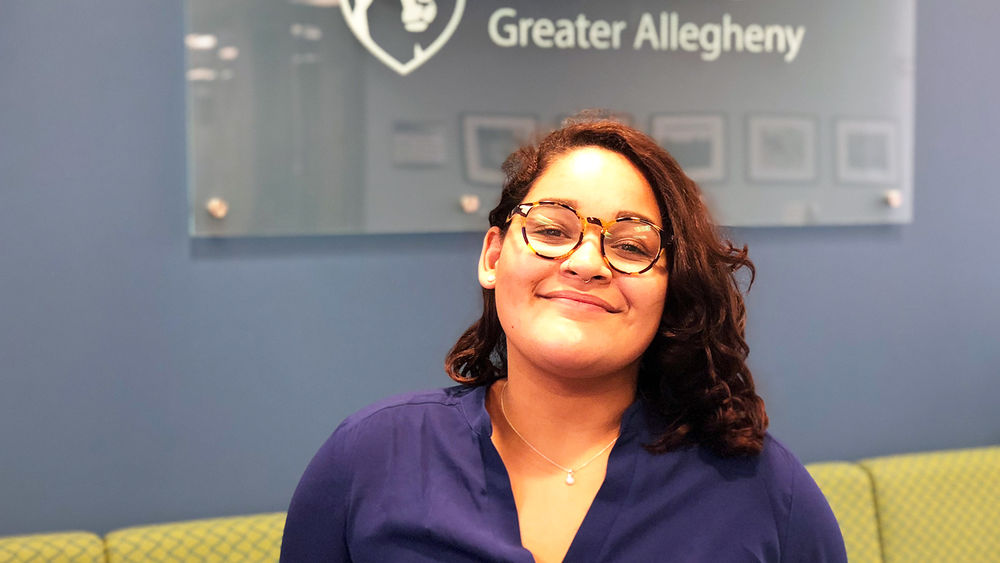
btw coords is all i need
(587, 262)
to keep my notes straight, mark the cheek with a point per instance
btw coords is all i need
(647, 300)
(514, 287)
(518, 268)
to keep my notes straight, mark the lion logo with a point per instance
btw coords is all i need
(416, 16)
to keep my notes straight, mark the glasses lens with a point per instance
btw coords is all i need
(631, 245)
(552, 230)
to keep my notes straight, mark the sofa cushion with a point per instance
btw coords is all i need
(240, 538)
(848, 489)
(66, 547)
(940, 506)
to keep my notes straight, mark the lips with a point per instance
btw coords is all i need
(585, 298)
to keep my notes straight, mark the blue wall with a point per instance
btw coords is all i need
(147, 377)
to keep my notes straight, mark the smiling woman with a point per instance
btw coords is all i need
(605, 410)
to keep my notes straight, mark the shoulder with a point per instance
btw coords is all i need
(775, 488)
(412, 401)
(809, 530)
(392, 428)
(785, 477)
(777, 464)
(401, 409)
(352, 464)
(409, 420)
(388, 441)
(775, 468)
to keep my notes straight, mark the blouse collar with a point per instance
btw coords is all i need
(473, 404)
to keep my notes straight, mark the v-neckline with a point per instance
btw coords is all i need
(611, 497)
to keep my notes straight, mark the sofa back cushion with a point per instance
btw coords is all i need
(65, 547)
(249, 539)
(848, 489)
(939, 506)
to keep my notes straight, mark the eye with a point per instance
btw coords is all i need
(633, 247)
(549, 231)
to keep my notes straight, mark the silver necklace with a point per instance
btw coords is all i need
(569, 471)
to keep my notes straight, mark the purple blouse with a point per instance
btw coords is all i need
(416, 478)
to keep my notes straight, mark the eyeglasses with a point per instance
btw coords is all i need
(555, 230)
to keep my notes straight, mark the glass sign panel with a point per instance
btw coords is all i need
(379, 116)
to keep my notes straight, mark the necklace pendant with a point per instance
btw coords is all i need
(569, 478)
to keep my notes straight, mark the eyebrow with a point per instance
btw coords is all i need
(622, 213)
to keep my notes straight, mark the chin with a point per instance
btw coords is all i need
(571, 348)
(580, 360)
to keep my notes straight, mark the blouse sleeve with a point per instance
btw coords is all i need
(315, 528)
(812, 534)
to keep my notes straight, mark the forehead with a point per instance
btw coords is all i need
(599, 183)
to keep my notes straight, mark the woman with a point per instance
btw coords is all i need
(605, 412)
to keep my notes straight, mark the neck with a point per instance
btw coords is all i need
(564, 416)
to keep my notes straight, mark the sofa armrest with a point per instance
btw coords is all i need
(939, 506)
(65, 547)
(848, 489)
(249, 539)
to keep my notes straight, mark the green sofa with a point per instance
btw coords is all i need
(938, 506)
(927, 507)
(237, 538)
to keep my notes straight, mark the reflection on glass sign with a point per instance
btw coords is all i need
(377, 116)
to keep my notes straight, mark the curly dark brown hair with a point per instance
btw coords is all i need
(694, 374)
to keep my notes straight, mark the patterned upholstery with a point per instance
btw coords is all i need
(247, 539)
(940, 506)
(68, 547)
(849, 492)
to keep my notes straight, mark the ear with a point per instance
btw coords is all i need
(492, 243)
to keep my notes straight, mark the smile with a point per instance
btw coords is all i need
(583, 300)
